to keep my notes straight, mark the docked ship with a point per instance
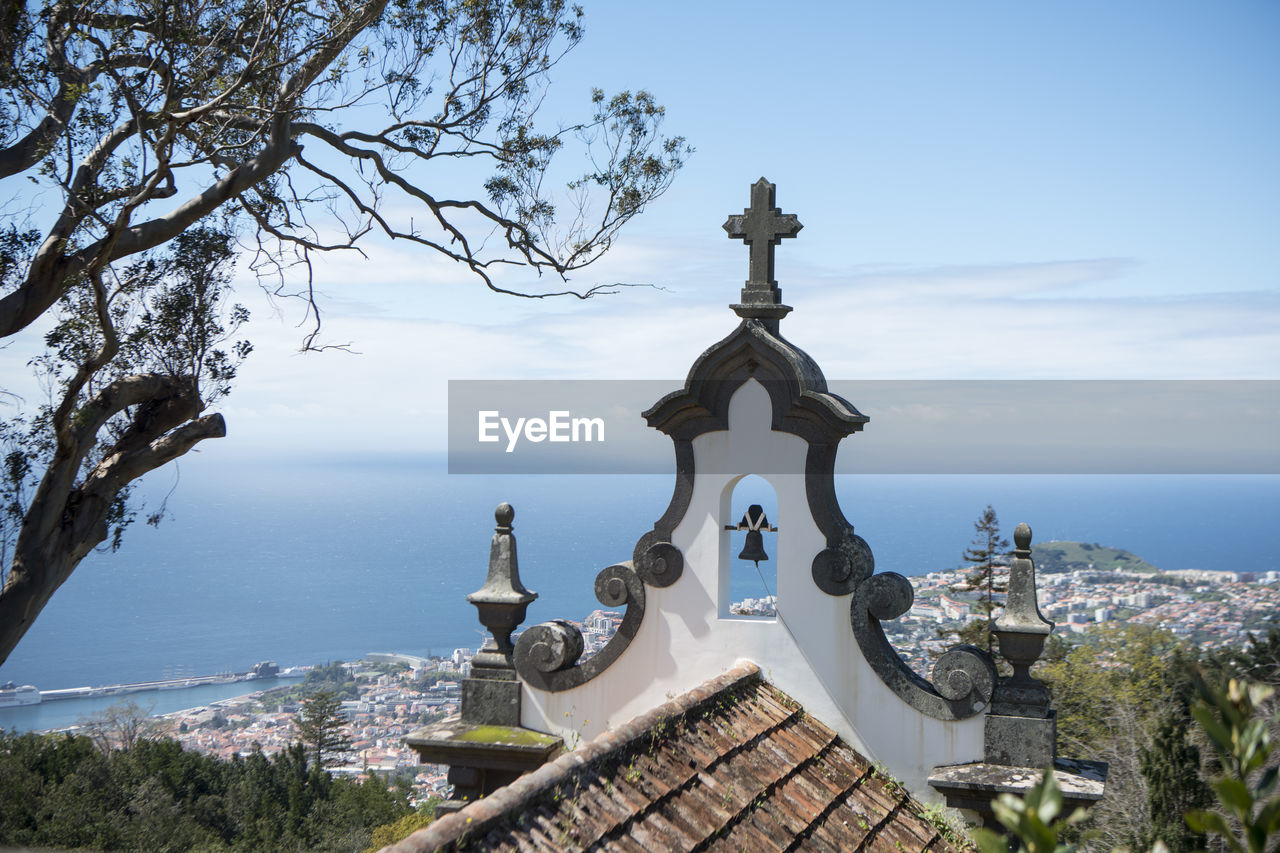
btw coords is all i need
(12, 696)
(264, 669)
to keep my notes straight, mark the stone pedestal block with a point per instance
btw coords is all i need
(491, 702)
(482, 757)
(1021, 741)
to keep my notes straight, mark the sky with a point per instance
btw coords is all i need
(988, 191)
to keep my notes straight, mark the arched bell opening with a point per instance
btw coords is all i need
(749, 549)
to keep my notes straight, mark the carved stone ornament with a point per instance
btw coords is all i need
(963, 677)
(838, 570)
(546, 655)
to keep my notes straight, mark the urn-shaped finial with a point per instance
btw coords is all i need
(503, 600)
(1022, 631)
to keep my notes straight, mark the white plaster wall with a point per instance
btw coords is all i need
(808, 652)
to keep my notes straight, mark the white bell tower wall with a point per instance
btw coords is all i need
(808, 651)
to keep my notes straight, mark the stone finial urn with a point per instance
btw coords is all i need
(484, 744)
(1022, 631)
(503, 600)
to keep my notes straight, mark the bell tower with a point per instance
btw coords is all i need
(754, 405)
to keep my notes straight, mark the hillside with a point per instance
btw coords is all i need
(1053, 557)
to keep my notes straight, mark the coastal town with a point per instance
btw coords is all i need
(397, 693)
(1209, 609)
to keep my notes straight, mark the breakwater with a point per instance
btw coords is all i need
(48, 716)
(162, 684)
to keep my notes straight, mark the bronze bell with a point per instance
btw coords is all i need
(753, 548)
(754, 521)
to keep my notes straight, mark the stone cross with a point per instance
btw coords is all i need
(762, 226)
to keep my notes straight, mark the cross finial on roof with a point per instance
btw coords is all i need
(762, 226)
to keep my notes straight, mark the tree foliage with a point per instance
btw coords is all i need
(131, 360)
(62, 791)
(334, 678)
(120, 726)
(145, 143)
(1124, 696)
(1248, 789)
(1171, 767)
(1237, 723)
(385, 836)
(981, 554)
(323, 728)
(1110, 692)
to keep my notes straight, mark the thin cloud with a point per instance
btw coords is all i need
(418, 322)
(986, 281)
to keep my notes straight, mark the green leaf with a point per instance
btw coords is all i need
(1044, 838)
(1218, 732)
(1269, 816)
(1235, 795)
(1267, 782)
(1050, 805)
(989, 841)
(1259, 693)
(1212, 822)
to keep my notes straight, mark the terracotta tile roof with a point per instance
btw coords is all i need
(733, 765)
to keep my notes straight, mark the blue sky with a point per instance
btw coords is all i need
(988, 190)
(1013, 190)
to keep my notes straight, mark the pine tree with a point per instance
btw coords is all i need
(987, 544)
(322, 727)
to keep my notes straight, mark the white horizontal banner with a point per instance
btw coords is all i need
(916, 427)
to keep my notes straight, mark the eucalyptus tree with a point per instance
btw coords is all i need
(284, 128)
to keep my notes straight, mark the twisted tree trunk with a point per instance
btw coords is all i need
(66, 521)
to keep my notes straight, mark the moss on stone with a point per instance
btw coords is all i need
(504, 735)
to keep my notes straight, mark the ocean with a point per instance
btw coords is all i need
(304, 561)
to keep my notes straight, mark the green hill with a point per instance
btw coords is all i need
(1053, 557)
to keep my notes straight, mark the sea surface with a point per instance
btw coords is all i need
(303, 561)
